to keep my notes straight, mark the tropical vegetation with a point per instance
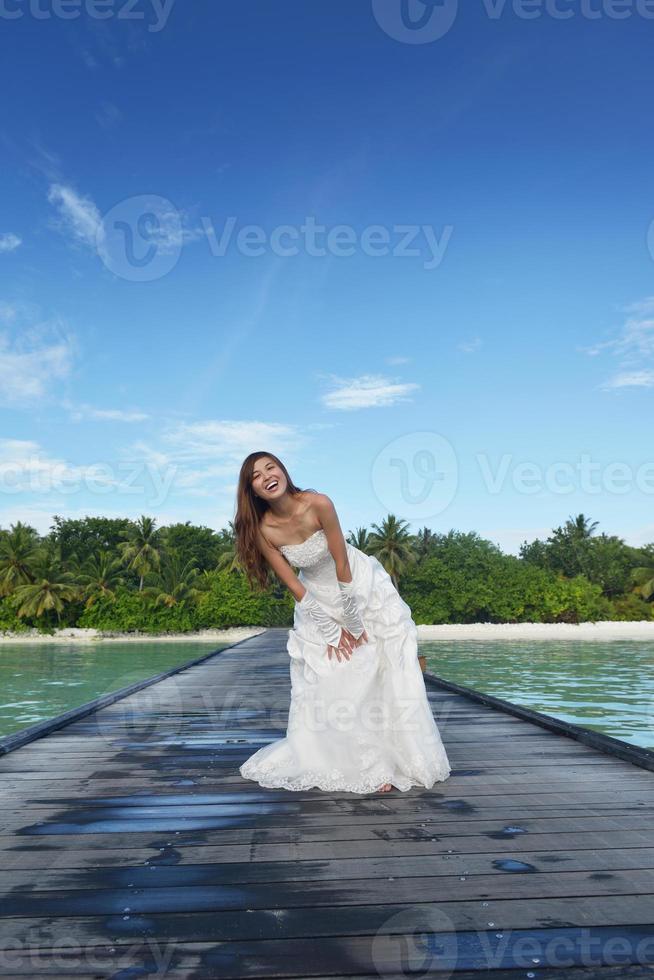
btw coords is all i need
(118, 575)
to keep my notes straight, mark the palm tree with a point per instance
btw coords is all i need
(643, 575)
(98, 577)
(390, 543)
(175, 582)
(19, 549)
(228, 559)
(644, 582)
(359, 539)
(141, 551)
(580, 527)
(580, 530)
(51, 588)
(423, 541)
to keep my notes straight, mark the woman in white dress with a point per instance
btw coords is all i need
(359, 718)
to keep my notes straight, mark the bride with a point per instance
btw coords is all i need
(359, 718)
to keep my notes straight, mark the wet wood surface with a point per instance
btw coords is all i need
(130, 846)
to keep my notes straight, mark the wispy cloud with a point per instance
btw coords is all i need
(9, 242)
(26, 467)
(366, 391)
(206, 455)
(78, 215)
(631, 379)
(108, 115)
(32, 357)
(79, 218)
(470, 346)
(80, 413)
(633, 346)
(398, 359)
(8, 313)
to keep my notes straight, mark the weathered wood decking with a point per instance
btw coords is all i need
(131, 847)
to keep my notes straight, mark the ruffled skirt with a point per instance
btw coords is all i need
(355, 724)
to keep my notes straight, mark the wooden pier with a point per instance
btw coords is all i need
(131, 847)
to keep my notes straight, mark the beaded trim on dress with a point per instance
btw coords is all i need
(286, 547)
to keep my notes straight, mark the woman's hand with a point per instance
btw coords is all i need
(347, 644)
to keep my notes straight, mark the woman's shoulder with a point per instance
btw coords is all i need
(322, 504)
(318, 506)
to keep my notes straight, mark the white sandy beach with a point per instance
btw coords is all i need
(78, 635)
(601, 631)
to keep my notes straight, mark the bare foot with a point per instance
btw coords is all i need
(385, 788)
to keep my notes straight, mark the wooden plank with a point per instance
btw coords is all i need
(139, 805)
(440, 953)
(219, 925)
(156, 875)
(80, 855)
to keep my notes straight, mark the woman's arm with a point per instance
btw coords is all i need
(336, 542)
(332, 528)
(281, 567)
(332, 631)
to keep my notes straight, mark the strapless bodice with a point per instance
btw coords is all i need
(313, 557)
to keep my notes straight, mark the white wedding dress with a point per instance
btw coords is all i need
(355, 724)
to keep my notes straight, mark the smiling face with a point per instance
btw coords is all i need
(268, 480)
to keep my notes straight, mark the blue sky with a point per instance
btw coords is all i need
(466, 337)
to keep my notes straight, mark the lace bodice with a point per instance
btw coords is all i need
(314, 559)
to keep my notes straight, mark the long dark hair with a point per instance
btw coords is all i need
(249, 510)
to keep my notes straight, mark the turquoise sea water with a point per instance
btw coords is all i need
(41, 680)
(608, 687)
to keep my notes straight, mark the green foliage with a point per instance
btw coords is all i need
(141, 549)
(501, 589)
(199, 544)
(574, 600)
(9, 619)
(572, 550)
(19, 550)
(631, 608)
(229, 601)
(391, 543)
(122, 575)
(88, 536)
(131, 611)
(50, 588)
